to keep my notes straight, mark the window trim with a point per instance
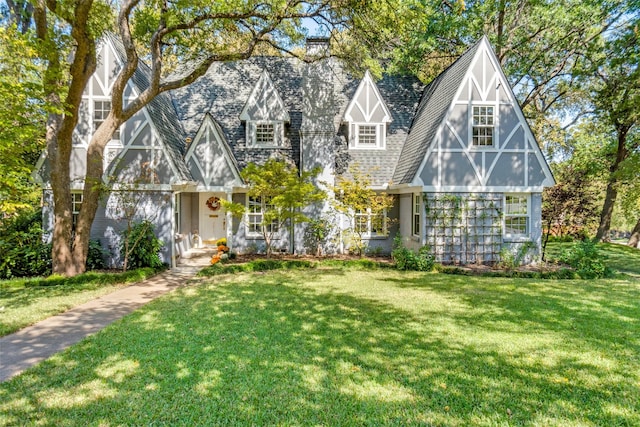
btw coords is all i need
(104, 113)
(380, 136)
(527, 216)
(75, 203)
(416, 217)
(369, 233)
(252, 133)
(493, 126)
(253, 220)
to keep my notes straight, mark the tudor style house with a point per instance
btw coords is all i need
(457, 154)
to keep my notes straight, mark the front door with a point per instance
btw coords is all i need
(212, 218)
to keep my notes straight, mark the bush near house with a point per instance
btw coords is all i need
(22, 252)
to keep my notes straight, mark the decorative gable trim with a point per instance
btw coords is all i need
(367, 116)
(264, 103)
(367, 105)
(208, 142)
(451, 151)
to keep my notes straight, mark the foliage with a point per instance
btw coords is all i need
(511, 257)
(586, 259)
(353, 197)
(140, 246)
(27, 301)
(255, 265)
(406, 259)
(22, 119)
(316, 234)
(615, 95)
(22, 252)
(96, 255)
(282, 192)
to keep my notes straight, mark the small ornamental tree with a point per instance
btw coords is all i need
(277, 192)
(355, 199)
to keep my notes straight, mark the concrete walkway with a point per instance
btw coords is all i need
(40, 341)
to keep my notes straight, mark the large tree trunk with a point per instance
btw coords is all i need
(93, 188)
(62, 120)
(612, 192)
(634, 240)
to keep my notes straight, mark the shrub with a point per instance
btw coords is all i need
(95, 256)
(406, 259)
(586, 259)
(141, 247)
(22, 252)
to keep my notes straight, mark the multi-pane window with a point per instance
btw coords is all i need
(255, 215)
(76, 204)
(516, 215)
(367, 135)
(101, 110)
(265, 133)
(415, 230)
(483, 126)
(372, 224)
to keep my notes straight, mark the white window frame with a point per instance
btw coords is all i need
(97, 119)
(76, 205)
(380, 136)
(253, 218)
(416, 224)
(484, 122)
(252, 133)
(111, 151)
(511, 212)
(365, 218)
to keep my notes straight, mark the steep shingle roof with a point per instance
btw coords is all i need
(401, 95)
(435, 102)
(223, 92)
(162, 113)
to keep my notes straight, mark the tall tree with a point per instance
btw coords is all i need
(198, 33)
(616, 96)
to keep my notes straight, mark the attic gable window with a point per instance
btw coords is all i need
(101, 110)
(483, 126)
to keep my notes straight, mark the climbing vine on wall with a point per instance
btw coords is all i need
(464, 228)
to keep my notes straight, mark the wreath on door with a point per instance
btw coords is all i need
(213, 203)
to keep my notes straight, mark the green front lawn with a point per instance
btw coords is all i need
(339, 346)
(24, 302)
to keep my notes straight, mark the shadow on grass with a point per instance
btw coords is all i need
(285, 348)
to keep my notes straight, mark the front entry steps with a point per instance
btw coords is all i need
(197, 257)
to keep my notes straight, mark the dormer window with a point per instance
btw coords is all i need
(265, 115)
(265, 134)
(367, 117)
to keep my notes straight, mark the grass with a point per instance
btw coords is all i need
(24, 302)
(335, 345)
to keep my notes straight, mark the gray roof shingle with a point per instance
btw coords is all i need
(436, 99)
(162, 113)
